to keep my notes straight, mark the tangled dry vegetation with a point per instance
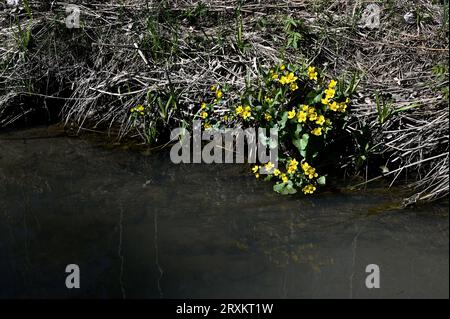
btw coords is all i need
(168, 53)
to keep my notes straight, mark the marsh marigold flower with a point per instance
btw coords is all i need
(246, 113)
(309, 189)
(342, 107)
(317, 131)
(292, 166)
(301, 117)
(330, 93)
(333, 106)
(332, 84)
(291, 114)
(289, 78)
(320, 120)
(313, 116)
(269, 166)
(309, 171)
(312, 73)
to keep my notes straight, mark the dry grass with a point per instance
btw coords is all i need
(126, 49)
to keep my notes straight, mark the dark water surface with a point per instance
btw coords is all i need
(141, 227)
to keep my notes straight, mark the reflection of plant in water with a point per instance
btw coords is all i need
(303, 254)
(283, 250)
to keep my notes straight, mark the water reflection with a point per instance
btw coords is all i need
(141, 227)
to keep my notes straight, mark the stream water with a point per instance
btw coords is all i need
(141, 227)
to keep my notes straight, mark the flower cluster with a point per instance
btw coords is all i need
(244, 112)
(138, 110)
(328, 99)
(295, 100)
(287, 78)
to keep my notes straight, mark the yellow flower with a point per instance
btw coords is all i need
(239, 110)
(317, 131)
(293, 162)
(305, 108)
(257, 175)
(246, 112)
(203, 106)
(276, 172)
(255, 169)
(313, 116)
(140, 108)
(301, 116)
(332, 84)
(225, 117)
(309, 171)
(269, 166)
(213, 87)
(283, 80)
(330, 93)
(204, 115)
(312, 73)
(219, 94)
(325, 101)
(342, 107)
(309, 189)
(291, 114)
(207, 125)
(294, 86)
(305, 166)
(267, 116)
(333, 106)
(292, 166)
(291, 170)
(320, 120)
(289, 78)
(274, 76)
(132, 110)
(282, 67)
(284, 178)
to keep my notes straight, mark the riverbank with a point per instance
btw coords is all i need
(166, 55)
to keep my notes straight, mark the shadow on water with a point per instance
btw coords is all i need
(142, 227)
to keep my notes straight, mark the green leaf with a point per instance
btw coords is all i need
(289, 189)
(282, 122)
(301, 144)
(285, 188)
(279, 187)
(313, 97)
(322, 180)
(304, 144)
(298, 130)
(318, 99)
